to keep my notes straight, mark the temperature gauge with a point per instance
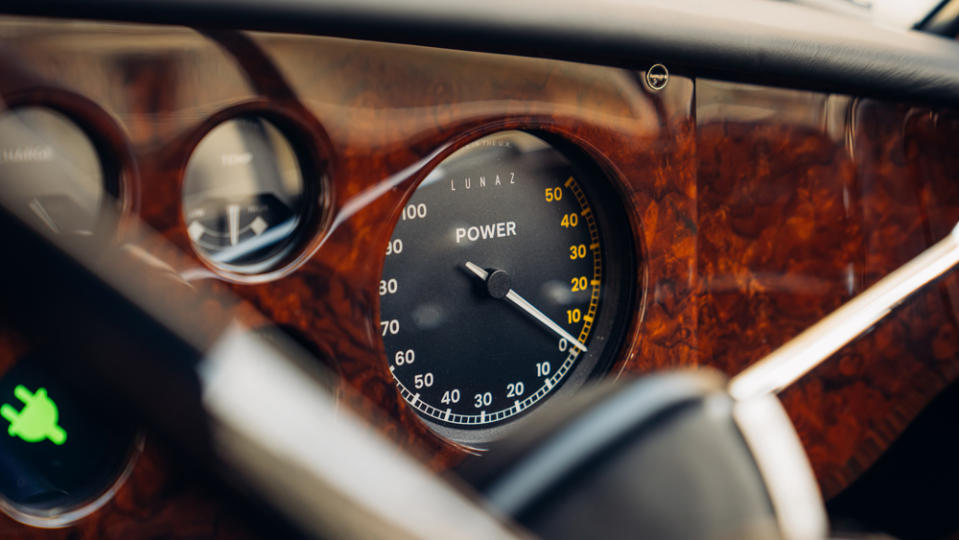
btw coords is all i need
(244, 195)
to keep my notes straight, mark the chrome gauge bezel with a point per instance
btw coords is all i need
(311, 149)
(112, 148)
(60, 517)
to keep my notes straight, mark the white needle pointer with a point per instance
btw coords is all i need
(514, 298)
(233, 220)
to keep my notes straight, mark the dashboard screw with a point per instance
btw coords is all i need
(657, 77)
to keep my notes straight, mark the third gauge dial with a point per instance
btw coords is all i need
(246, 199)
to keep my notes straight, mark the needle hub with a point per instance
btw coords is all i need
(498, 283)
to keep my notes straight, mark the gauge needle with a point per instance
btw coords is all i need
(44, 216)
(514, 298)
(233, 220)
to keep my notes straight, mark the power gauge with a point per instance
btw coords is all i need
(508, 280)
(244, 195)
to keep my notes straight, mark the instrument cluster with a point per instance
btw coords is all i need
(460, 259)
(464, 238)
(504, 282)
(507, 280)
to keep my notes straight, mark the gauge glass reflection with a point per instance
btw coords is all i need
(52, 170)
(244, 200)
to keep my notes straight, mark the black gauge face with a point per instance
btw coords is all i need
(501, 284)
(244, 195)
(53, 168)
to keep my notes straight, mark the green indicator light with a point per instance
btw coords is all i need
(38, 419)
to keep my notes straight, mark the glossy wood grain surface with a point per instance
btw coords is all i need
(798, 216)
(755, 212)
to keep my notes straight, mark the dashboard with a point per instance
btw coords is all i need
(462, 237)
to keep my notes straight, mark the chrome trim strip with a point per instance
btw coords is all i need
(783, 464)
(788, 363)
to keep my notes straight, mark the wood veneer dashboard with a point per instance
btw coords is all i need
(755, 212)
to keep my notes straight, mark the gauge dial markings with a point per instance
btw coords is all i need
(521, 220)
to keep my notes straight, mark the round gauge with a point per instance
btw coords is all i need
(50, 165)
(244, 195)
(63, 454)
(506, 282)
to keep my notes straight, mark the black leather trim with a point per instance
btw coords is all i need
(616, 462)
(758, 41)
(523, 470)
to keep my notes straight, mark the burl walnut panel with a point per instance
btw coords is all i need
(804, 201)
(755, 211)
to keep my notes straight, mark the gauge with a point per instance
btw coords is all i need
(244, 195)
(50, 165)
(504, 283)
(63, 454)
